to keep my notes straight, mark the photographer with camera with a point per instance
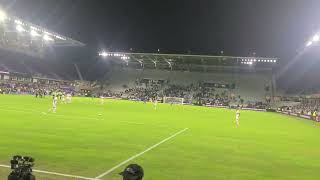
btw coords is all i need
(21, 168)
(132, 172)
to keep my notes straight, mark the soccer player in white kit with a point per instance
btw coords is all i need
(54, 104)
(63, 98)
(69, 98)
(237, 117)
(102, 100)
(155, 103)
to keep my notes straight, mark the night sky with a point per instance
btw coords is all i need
(271, 28)
(275, 28)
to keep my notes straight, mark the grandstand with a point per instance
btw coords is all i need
(251, 78)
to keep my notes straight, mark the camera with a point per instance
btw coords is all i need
(21, 168)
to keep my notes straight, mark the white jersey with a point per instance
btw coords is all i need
(237, 118)
(101, 100)
(54, 102)
(155, 103)
(237, 114)
(68, 98)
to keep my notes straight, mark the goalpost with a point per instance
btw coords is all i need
(173, 100)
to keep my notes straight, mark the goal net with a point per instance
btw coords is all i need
(173, 100)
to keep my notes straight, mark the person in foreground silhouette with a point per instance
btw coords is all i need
(132, 172)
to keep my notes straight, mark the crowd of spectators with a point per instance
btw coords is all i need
(18, 88)
(32, 88)
(141, 93)
(192, 93)
(303, 109)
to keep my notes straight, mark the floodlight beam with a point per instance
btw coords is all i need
(309, 43)
(47, 38)
(19, 28)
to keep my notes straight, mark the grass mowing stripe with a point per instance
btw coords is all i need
(55, 173)
(141, 153)
(30, 111)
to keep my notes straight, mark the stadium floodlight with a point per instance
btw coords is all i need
(18, 22)
(125, 57)
(61, 38)
(34, 28)
(3, 16)
(315, 38)
(48, 33)
(47, 38)
(19, 28)
(275, 61)
(34, 33)
(254, 60)
(103, 54)
(309, 43)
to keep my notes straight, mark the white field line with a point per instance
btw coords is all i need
(57, 174)
(141, 153)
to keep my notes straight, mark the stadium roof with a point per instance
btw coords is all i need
(190, 62)
(22, 36)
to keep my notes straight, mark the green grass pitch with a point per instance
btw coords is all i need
(86, 138)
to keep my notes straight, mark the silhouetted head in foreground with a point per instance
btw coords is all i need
(132, 172)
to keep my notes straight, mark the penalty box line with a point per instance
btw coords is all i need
(141, 153)
(55, 173)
